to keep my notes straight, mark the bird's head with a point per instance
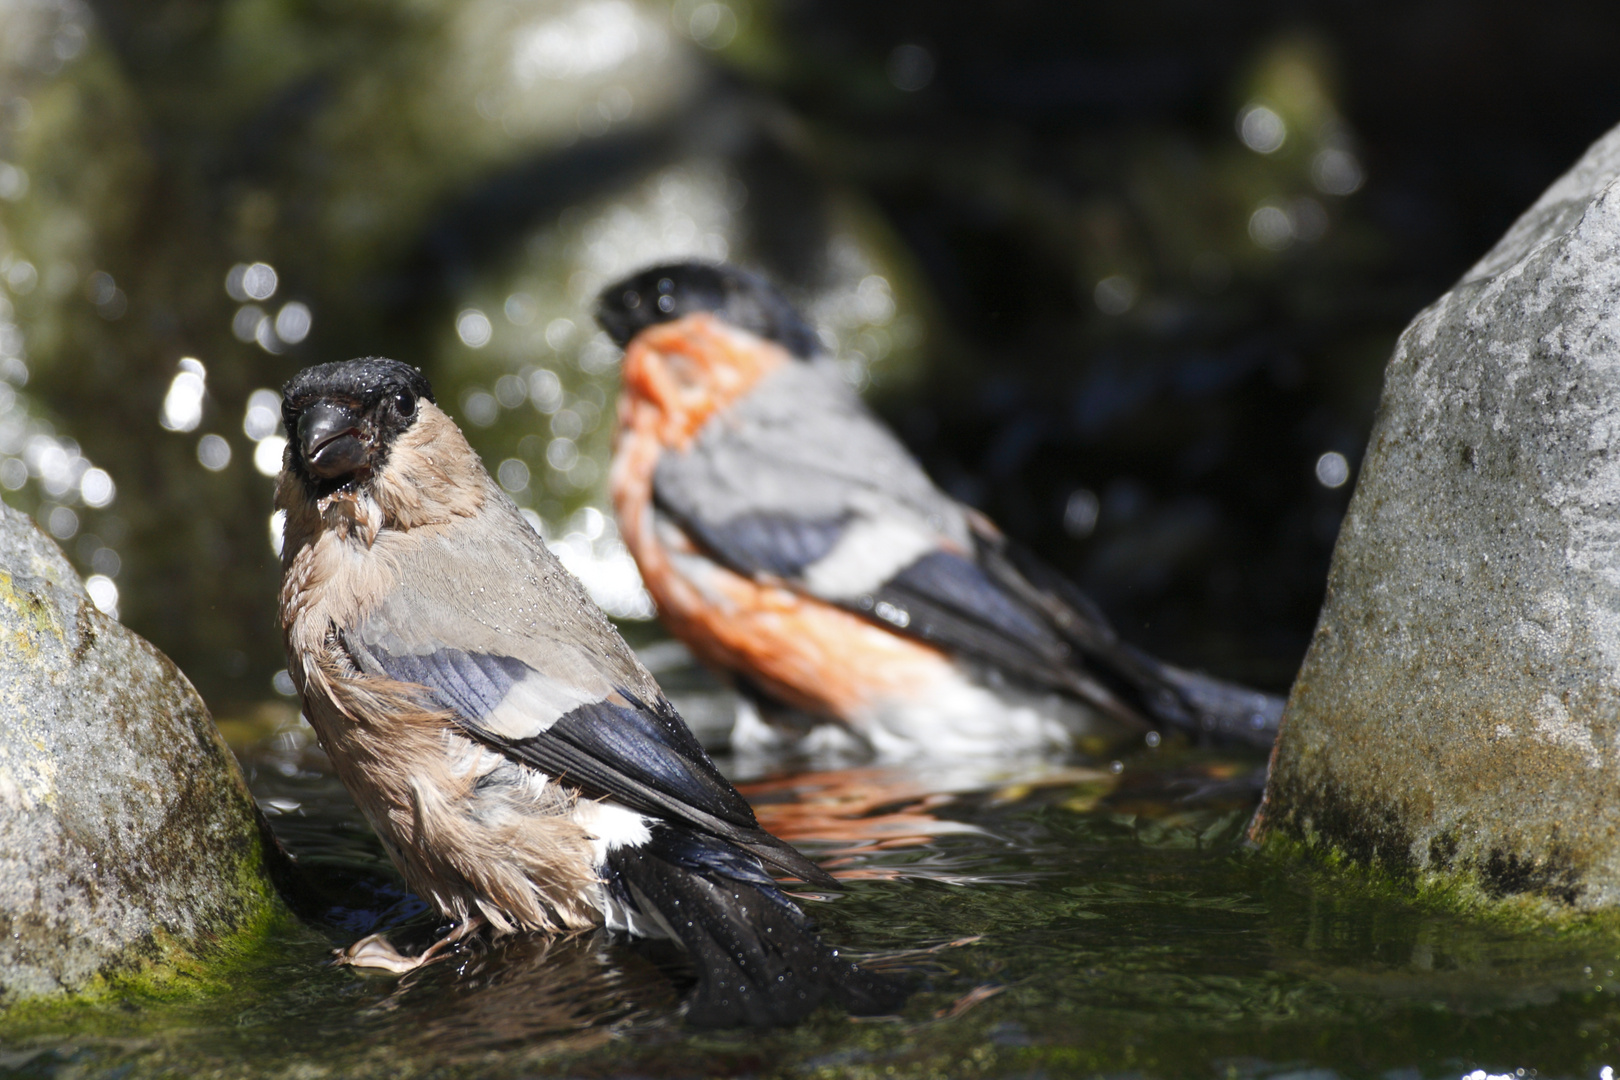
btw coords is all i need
(673, 291)
(697, 336)
(343, 420)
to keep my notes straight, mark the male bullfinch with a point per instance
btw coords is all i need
(521, 767)
(791, 541)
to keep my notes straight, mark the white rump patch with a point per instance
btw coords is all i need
(610, 825)
(758, 745)
(958, 718)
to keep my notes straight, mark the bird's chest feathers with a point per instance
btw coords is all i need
(339, 558)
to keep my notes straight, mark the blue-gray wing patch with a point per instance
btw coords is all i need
(771, 543)
(773, 484)
(473, 684)
(501, 694)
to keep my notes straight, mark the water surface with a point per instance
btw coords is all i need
(1083, 917)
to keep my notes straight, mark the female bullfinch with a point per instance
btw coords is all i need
(522, 769)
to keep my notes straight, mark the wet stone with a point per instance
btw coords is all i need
(129, 846)
(1459, 709)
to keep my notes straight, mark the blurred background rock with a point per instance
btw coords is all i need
(1125, 276)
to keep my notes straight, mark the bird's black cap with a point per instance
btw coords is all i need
(362, 381)
(668, 292)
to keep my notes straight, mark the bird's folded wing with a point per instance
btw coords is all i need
(799, 484)
(525, 664)
(797, 480)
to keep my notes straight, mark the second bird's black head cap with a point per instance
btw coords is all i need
(673, 290)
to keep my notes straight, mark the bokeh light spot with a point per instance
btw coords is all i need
(1261, 128)
(96, 488)
(213, 452)
(513, 475)
(593, 38)
(1336, 172)
(1332, 469)
(1270, 227)
(520, 309)
(183, 404)
(1080, 513)
(263, 414)
(13, 181)
(562, 454)
(259, 281)
(293, 322)
(473, 328)
(910, 68)
(511, 391)
(545, 390)
(103, 593)
(712, 25)
(1114, 295)
(268, 454)
(62, 522)
(480, 408)
(245, 323)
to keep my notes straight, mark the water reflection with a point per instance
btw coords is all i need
(522, 993)
(845, 816)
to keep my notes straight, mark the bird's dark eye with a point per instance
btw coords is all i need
(405, 403)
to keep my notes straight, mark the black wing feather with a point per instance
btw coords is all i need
(591, 750)
(949, 600)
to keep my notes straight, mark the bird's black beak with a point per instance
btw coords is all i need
(330, 438)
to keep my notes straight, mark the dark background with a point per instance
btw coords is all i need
(1039, 149)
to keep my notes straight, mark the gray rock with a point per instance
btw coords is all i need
(129, 846)
(1459, 709)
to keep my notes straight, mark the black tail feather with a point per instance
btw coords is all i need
(1167, 696)
(758, 958)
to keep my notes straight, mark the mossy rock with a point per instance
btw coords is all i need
(1458, 714)
(130, 850)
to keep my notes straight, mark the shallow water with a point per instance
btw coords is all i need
(1057, 919)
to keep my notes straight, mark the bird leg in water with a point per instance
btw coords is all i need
(375, 950)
